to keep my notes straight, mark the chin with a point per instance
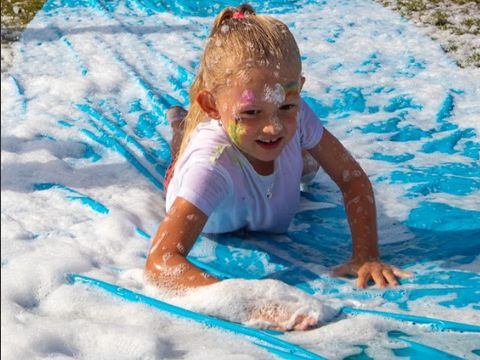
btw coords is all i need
(268, 157)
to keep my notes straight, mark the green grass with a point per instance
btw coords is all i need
(474, 58)
(472, 25)
(412, 5)
(440, 19)
(18, 13)
(442, 15)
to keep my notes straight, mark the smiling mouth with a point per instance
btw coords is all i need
(269, 144)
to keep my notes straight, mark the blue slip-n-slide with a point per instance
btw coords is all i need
(400, 111)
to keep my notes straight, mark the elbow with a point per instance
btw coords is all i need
(357, 184)
(161, 260)
(165, 268)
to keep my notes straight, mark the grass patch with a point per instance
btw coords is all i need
(412, 5)
(474, 59)
(440, 19)
(472, 25)
(453, 23)
(18, 13)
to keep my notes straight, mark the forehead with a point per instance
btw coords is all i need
(257, 78)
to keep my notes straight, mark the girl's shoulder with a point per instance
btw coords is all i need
(207, 137)
(310, 128)
(209, 146)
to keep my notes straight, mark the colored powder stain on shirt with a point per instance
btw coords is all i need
(218, 152)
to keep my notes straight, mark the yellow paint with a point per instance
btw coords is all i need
(236, 131)
(218, 152)
(291, 89)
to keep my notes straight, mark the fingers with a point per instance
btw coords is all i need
(300, 323)
(304, 323)
(390, 277)
(363, 279)
(277, 317)
(382, 275)
(401, 273)
(378, 278)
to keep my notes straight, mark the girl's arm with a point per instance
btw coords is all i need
(166, 264)
(167, 267)
(359, 204)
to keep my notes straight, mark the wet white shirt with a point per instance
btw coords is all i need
(216, 177)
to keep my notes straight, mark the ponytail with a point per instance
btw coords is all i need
(195, 113)
(230, 13)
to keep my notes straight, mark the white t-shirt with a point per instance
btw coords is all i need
(216, 177)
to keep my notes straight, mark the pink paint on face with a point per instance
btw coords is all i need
(247, 97)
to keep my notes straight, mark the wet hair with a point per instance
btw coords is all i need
(239, 39)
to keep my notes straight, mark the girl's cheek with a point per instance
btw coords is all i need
(237, 132)
(291, 118)
(290, 122)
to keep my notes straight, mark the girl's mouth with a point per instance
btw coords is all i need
(269, 144)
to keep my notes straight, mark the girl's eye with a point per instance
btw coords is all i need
(287, 107)
(251, 112)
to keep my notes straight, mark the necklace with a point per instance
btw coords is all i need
(267, 181)
(269, 191)
(267, 184)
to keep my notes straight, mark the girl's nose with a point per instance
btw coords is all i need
(274, 126)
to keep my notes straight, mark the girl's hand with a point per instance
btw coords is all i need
(265, 304)
(277, 317)
(381, 273)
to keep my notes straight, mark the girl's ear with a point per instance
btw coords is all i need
(207, 102)
(302, 81)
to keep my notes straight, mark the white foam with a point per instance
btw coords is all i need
(238, 300)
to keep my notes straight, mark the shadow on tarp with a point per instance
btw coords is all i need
(53, 33)
(20, 176)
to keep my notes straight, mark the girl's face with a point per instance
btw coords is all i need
(259, 112)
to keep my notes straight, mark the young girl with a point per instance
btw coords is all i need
(241, 151)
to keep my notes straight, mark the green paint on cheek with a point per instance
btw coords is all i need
(236, 131)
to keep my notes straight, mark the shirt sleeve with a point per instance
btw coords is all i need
(204, 187)
(310, 127)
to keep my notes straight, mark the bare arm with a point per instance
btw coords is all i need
(166, 264)
(359, 204)
(357, 193)
(167, 267)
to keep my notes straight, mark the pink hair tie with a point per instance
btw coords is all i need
(238, 15)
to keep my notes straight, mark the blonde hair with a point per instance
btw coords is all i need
(239, 37)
